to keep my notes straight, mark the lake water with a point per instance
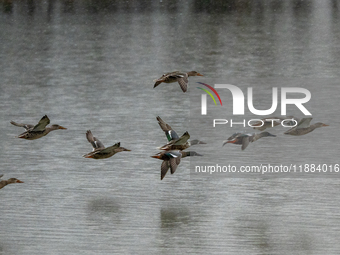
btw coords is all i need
(91, 65)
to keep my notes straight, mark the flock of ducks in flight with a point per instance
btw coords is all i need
(172, 152)
(303, 127)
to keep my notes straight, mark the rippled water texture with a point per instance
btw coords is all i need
(90, 65)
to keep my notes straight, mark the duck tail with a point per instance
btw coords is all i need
(227, 141)
(157, 83)
(156, 156)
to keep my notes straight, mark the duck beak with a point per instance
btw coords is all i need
(325, 125)
(156, 156)
(60, 127)
(21, 136)
(18, 181)
(126, 149)
(198, 74)
(88, 156)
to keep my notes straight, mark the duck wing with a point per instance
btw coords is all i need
(304, 123)
(233, 136)
(289, 120)
(245, 142)
(111, 148)
(169, 132)
(174, 75)
(164, 168)
(183, 83)
(25, 126)
(167, 77)
(183, 139)
(96, 144)
(174, 162)
(174, 158)
(42, 124)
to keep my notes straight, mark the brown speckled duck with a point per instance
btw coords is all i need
(99, 150)
(245, 139)
(3, 183)
(177, 76)
(37, 131)
(304, 127)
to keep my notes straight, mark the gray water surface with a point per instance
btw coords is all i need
(92, 66)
